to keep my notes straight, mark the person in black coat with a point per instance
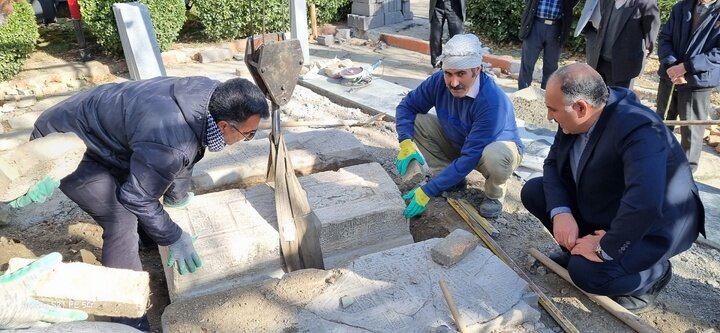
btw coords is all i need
(616, 193)
(545, 26)
(143, 139)
(627, 34)
(452, 11)
(689, 52)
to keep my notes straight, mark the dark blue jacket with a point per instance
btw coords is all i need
(633, 181)
(699, 50)
(468, 124)
(148, 132)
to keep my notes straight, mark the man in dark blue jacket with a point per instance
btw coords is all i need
(474, 128)
(616, 192)
(143, 139)
(689, 55)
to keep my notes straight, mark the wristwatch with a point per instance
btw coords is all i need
(599, 252)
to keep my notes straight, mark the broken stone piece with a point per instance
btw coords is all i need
(346, 301)
(453, 248)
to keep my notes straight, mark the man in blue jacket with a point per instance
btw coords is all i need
(143, 139)
(474, 128)
(616, 191)
(689, 55)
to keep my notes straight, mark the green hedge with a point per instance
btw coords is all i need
(17, 39)
(499, 20)
(167, 17)
(230, 19)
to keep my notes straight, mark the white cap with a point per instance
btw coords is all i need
(462, 52)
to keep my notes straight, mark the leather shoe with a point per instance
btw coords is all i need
(645, 302)
(561, 258)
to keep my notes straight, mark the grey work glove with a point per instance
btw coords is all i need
(182, 255)
(17, 307)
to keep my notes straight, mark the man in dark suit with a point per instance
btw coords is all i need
(452, 11)
(628, 29)
(588, 25)
(545, 26)
(616, 192)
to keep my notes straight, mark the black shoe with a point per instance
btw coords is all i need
(461, 186)
(561, 258)
(645, 302)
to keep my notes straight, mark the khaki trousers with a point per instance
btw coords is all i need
(497, 163)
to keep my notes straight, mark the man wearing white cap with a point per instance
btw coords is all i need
(474, 128)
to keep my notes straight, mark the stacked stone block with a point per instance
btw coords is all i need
(369, 14)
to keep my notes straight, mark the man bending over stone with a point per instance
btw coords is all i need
(474, 128)
(616, 192)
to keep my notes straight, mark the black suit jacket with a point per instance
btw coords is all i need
(640, 23)
(530, 11)
(633, 181)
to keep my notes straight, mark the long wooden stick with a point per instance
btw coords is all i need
(691, 122)
(453, 308)
(615, 309)
(544, 301)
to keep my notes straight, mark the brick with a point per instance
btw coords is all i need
(394, 17)
(244, 164)
(214, 55)
(94, 289)
(453, 247)
(367, 9)
(326, 40)
(359, 208)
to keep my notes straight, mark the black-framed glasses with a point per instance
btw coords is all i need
(247, 136)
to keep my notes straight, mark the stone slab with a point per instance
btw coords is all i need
(244, 164)
(359, 207)
(454, 247)
(392, 291)
(379, 96)
(94, 289)
(139, 41)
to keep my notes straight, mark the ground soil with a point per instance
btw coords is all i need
(688, 304)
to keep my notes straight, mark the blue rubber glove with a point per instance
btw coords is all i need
(179, 204)
(182, 255)
(407, 153)
(37, 193)
(418, 201)
(17, 307)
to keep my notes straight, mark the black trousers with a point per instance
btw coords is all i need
(93, 187)
(543, 37)
(451, 12)
(607, 278)
(688, 105)
(605, 70)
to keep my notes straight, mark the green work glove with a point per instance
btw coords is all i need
(179, 204)
(17, 307)
(37, 193)
(407, 153)
(182, 255)
(418, 201)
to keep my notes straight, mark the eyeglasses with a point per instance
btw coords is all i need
(247, 136)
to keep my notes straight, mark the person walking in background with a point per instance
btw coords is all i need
(628, 29)
(452, 11)
(689, 52)
(545, 26)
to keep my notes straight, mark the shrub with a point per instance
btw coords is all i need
(329, 11)
(167, 18)
(17, 39)
(496, 20)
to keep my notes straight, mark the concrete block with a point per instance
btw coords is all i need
(214, 55)
(94, 289)
(244, 164)
(390, 6)
(343, 34)
(394, 290)
(370, 22)
(139, 41)
(367, 9)
(368, 1)
(359, 207)
(454, 247)
(174, 57)
(326, 40)
(394, 17)
(408, 15)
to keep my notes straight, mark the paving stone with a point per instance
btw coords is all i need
(359, 207)
(454, 247)
(394, 290)
(24, 121)
(214, 55)
(243, 164)
(87, 287)
(367, 9)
